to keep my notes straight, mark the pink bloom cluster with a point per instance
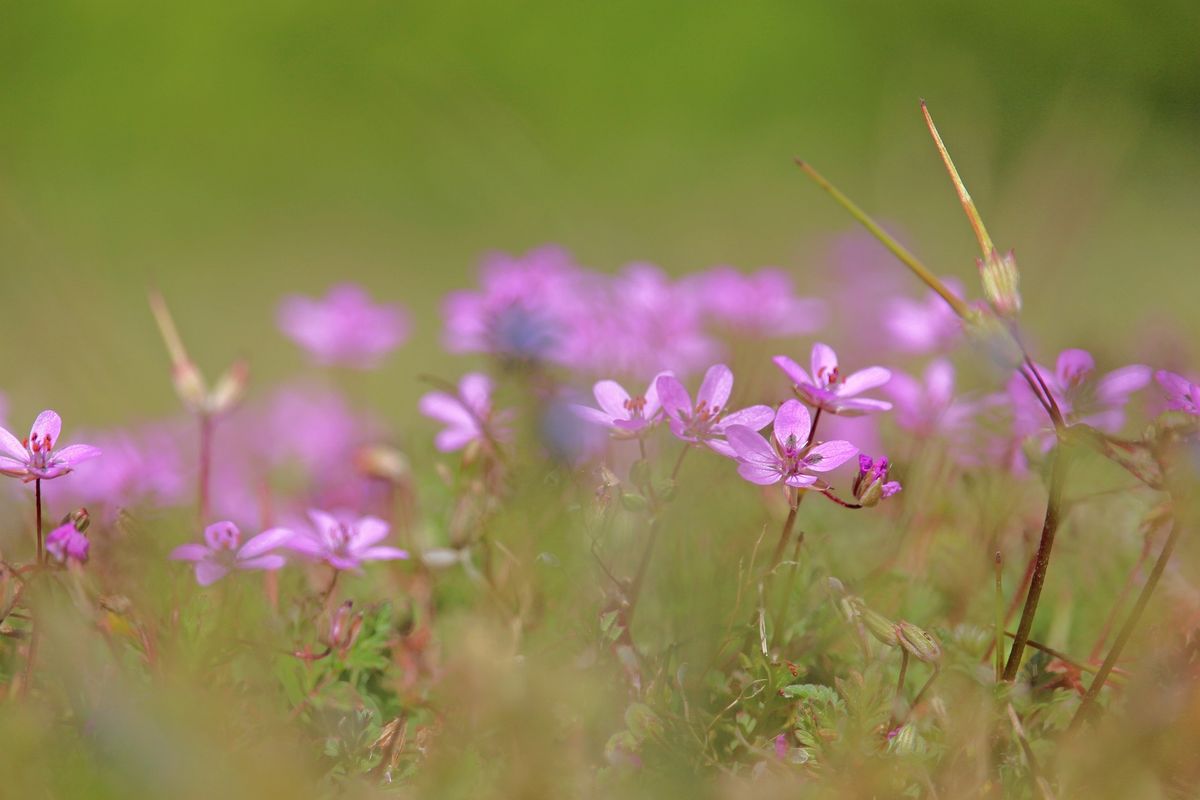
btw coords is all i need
(345, 327)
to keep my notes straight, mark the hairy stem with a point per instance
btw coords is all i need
(1058, 472)
(1088, 707)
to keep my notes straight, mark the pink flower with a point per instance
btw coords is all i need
(1182, 394)
(344, 327)
(702, 422)
(626, 415)
(872, 484)
(761, 303)
(220, 553)
(66, 543)
(468, 415)
(827, 389)
(922, 326)
(927, 406)
(35, 458)
(792, 453)
(344, 545)
(1081, 398)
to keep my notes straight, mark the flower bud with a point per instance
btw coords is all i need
(1000, 282)
(872, 484)
(918, 643)
(79, 518)
(879, 626)
(230, 388)
(383, 462)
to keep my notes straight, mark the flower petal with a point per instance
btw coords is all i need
(673, 395)
(266, 541)
(12, 446)
(272, 561)
(368, 531)
(650, 411)
(70, 456)
(476, 391)
(751, 447)
(1115, 387)
(792, 424)
(593, 415)
(759, 474)
(445, 408)
(612, 398)
(829, 455)
(801, 480)
(1073, 365)
(863, 380)
(189, 552)
(794, 371)
(824, 361)
(716, 387)
(325, 524)
(47, 424)
(857, 406)
(383, 554)
(753, 417)
(209, 572)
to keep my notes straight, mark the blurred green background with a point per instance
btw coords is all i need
(232, 152)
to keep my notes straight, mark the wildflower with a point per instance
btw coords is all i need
(142, 465)
(35, 458)
(1099, 403)
(344, 327)
(626, 415)
(792, 453)
(1182, 394)
(220, 552)
(67, 543)
(927, 405)
(827, 389)
(872, 484)
(761, 303)
(467, 415)
(923, 326)
(344, 545)
(702, 422)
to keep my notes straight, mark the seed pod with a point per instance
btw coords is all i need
(879, 626)
(1000, 282)
(918, 643)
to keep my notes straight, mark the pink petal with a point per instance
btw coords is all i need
(762, 475)
(70, 456)
(863, 380)
(325, 524)
(939, 382)
(857, 406)
(721, 447)
(12, 467)
(273, 561)
(593, 415)
(1073, 365)
(794, 371)
(190, 552)
(674, 396)
(47, 423)
(12, 446)
(476, 390)
(368, 531)
(307, 545)
(829, 455)
(716, 387)
(652, 401)
(209, 572)
(445, 408)
(266, 541)
(451, 439)
(1115, 387)
(612, 398)
(800, 481)
(751, 447)
(792, 422)
(753, 417)
(824, 361)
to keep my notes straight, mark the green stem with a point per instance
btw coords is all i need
(999, 644)
(1058, 471)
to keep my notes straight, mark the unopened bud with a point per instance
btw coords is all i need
(79, 518)
(879, 626)
(918, 643)
(872, 484)
(1000, 282)
(230, 388)
(383, 462)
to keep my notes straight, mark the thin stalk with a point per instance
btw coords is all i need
(1087, 707)
(1058, 472)
(903, 675)
(37, 495)
(897, 249)
(679, 462)
(788, 587)
(205, 466)
(635, 589)
(999, 642)
(964, 197)
(784, 535)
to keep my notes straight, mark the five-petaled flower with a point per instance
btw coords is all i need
(220, 552)
(625, 414)
(1182, 394)
(344, 327)
(66, 543)
(792, 455)
(702, 422)
(344, 545)
(35, 458)
(468, 414)
(872, 484)
(829, 390)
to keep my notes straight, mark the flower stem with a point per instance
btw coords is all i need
(1088, 706)
(1058, 472)
(793, 568)
(999, 602)
(679, 462)
(37, 494)
(206, 429)
(903, 675)
(785, 534)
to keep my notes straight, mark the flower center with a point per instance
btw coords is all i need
(636, 406)
(39, 450)
(828, 376)
(701, 418)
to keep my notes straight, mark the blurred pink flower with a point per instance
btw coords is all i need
(65, 543)
(220, 553)
(36, 458)
(344, 327)
(761, 303)
(792, 454)
(827, 389)
(142, 465)
(923, 326)
(625, 414)
(1182, 394)
(467, 415)
(927, 406)
(344, 544)
(702, 422)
